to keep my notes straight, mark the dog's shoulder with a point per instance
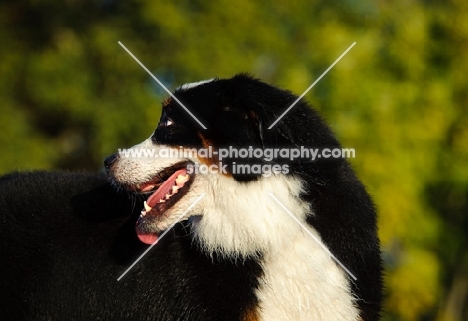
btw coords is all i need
(43, 199)
(43, 182)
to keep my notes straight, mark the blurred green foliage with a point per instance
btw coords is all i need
(69, 96)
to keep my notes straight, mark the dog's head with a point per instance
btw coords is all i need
(217, 177)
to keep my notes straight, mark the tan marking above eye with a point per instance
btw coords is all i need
(166, 102)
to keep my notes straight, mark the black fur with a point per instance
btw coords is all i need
(67, 237)
(237, 112)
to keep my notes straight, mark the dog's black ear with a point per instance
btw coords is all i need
(260, 132)
(278, 136)
(258, 124)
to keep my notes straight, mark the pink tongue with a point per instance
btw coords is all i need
(165, 188)
(160, 193)
(147, 238)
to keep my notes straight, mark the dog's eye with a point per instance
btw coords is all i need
(166, 122)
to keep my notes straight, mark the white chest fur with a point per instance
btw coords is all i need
(302, 282)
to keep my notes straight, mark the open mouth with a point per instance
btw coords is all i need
(164, 190)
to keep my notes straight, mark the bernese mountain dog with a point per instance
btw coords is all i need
(231, 232)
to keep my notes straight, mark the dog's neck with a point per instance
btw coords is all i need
(300, 281)
(244, 221)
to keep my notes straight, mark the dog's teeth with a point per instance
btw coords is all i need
(181, 179)
(147, 207)
(161, 200)
(168, 196)
(175, 189)
(138, 186)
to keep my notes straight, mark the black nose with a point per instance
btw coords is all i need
(109, 161)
